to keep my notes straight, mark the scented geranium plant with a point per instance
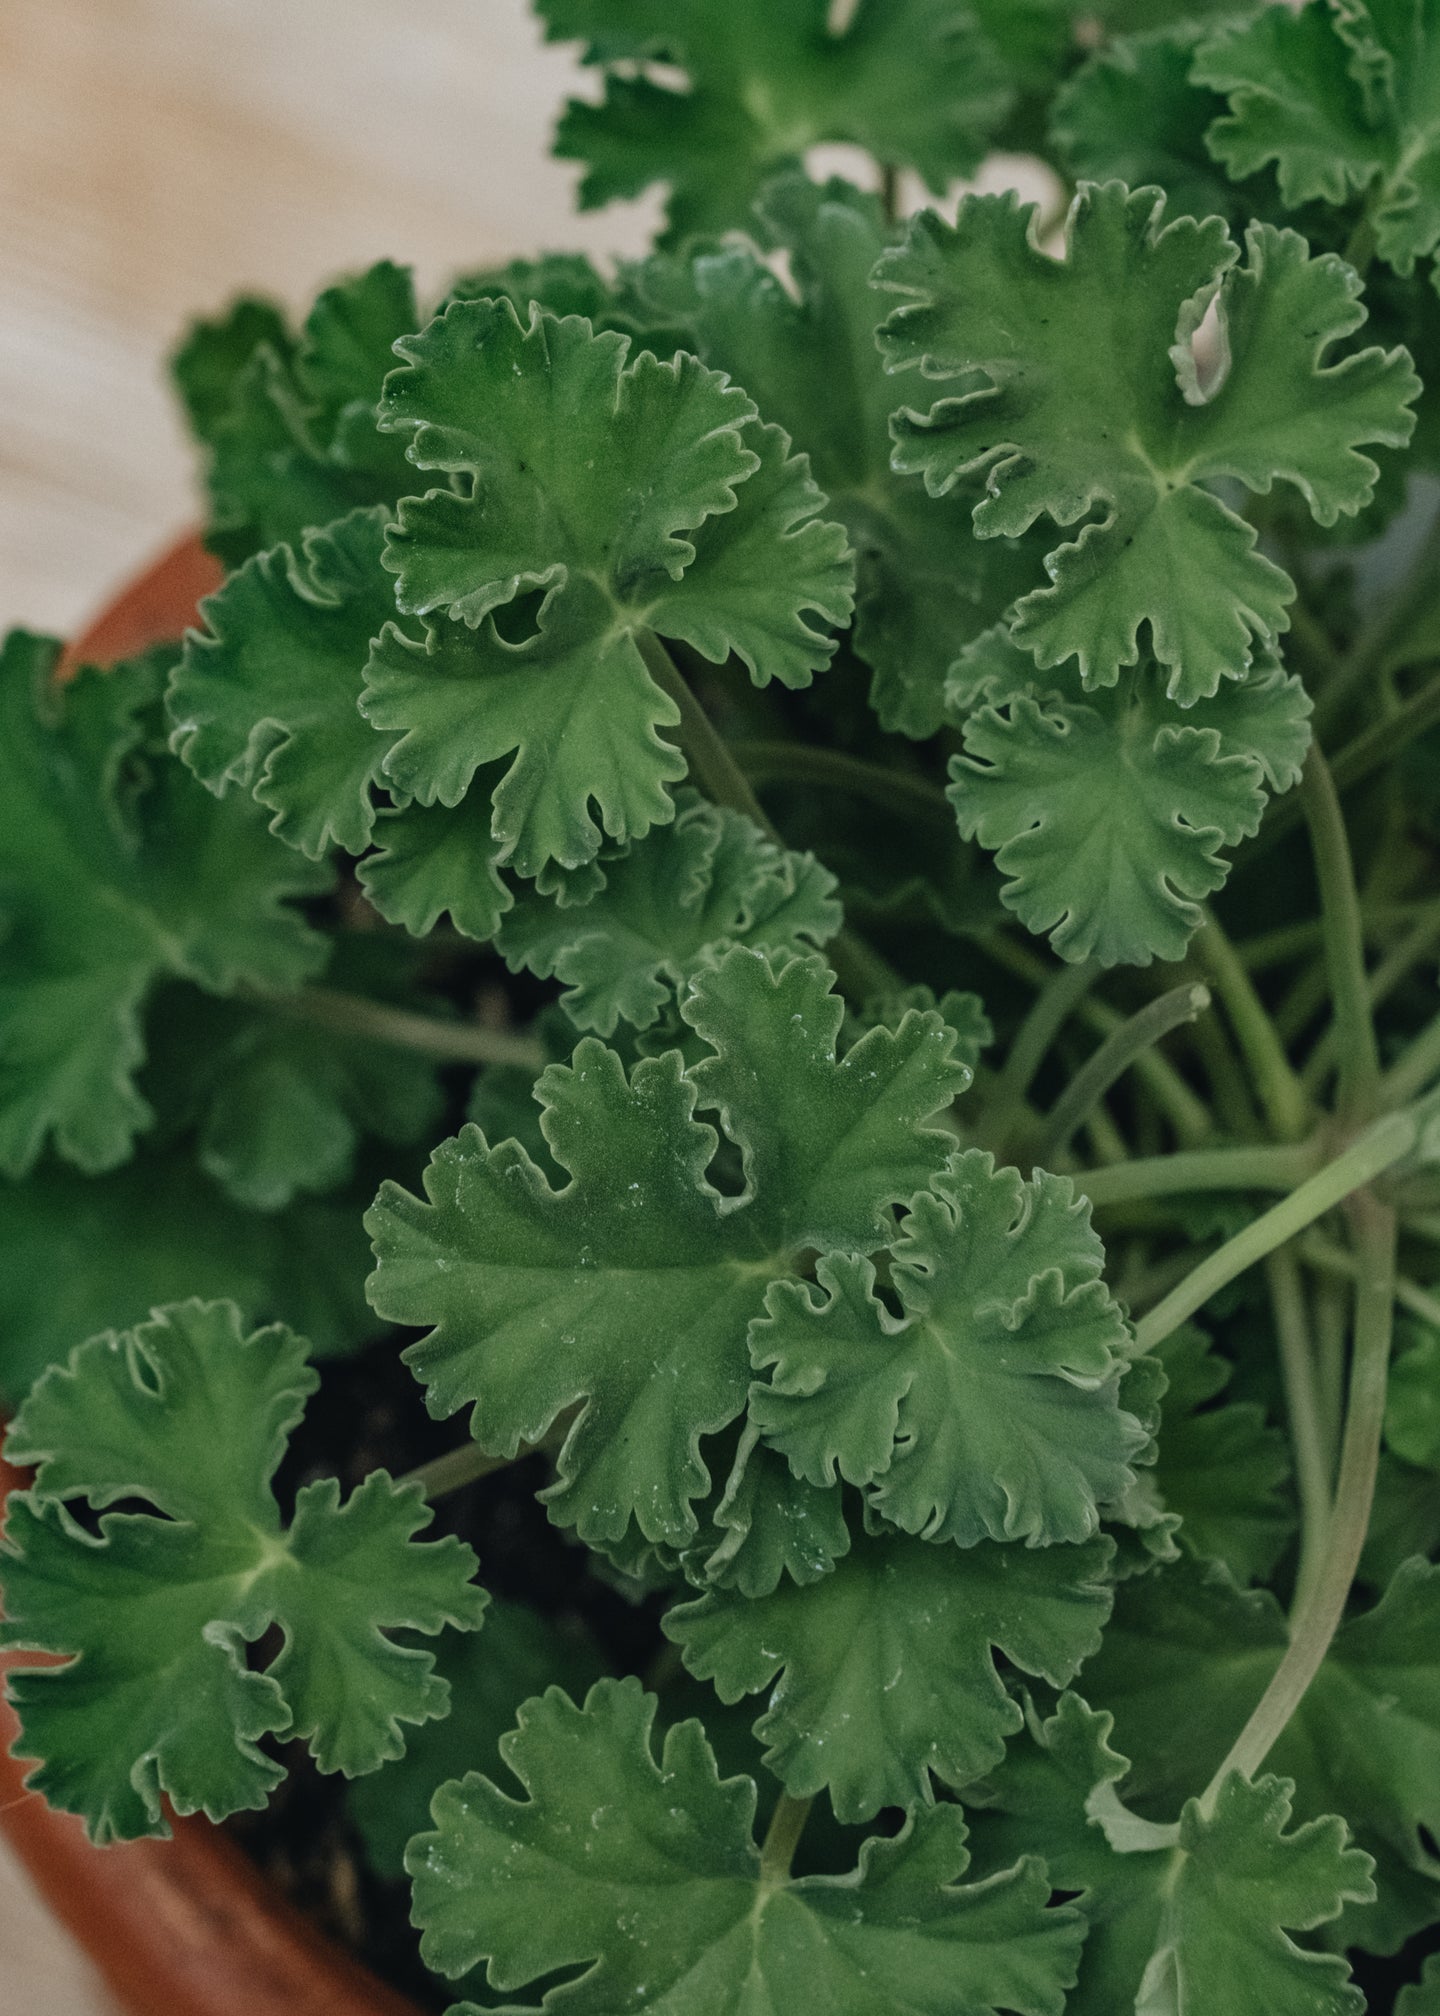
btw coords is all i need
(796, 886)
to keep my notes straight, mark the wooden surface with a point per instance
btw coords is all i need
(156, 156)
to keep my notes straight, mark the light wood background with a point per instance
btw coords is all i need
(155, 157)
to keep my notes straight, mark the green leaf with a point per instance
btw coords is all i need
(1422, 1997)
(667, 1905)
(631, 1288)
(1194, 1916)
(990, 1408)
(809, 361)
(886, 1665)
(434, 859)
(267, 696)
(1132, 114)
(766, 1523)
(914, 82)
(1090, 402)
(1107, 810)
(289, 423)
(519, 1653)
(1186, 1658)
(279, 1107)
(1344, 101)
(1412, 1408)
(116, 870)
(1222, 1468)
(641, 498)
(81, 1253)
(666, 906)
(191, 1416)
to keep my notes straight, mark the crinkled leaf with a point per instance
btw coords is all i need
(913, 82)
(436, 860)
(765, 1524)
(1090, 403)
(1132, 114)
(1189, 1916)
(991, 1406)
(631, 1288)
(1107, 810)
(1222, 1468)
(288, 422)
(642, 498)
(192, 1416)
(519, 1653)
(116, 870)
(267, 696)
(809, 361)
(666, 906)
(1186, 1658)
(666, 1907)
(1344, 100)
(886, 1666)
(81, 1253)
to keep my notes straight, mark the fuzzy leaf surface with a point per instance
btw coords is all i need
(676, 897)
(1344, 101)
(641, 498)
(1108, 810)
(117, 870)
(631, 1288)
(666, 1907)
(192, 1416)
(1090, 404)
(1187, 1917)
(886, 1666)
(991, 1408)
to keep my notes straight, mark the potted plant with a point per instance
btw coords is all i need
(722, 1115)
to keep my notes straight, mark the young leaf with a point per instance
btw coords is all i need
(1091, 402)
(643, 500)
(991, 1408)
(1344, 100)
(912, 81)
(668, 1905)
(192, 1416)
(116, 870)
(1183, 1917)
(1108, 810)
(631, 1288)
(925, 586)
(766, 1523)
(666, 906)
(79, 1254)
(887, 1665)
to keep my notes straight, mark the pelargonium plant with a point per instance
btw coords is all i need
(796, 886)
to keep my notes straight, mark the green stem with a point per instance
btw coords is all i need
(891, 790)
(1281, 1094)
(1316, 1623)
(860, 970)
(1113, 1059)
(1051, 1009)
(451, 1042)
(1335, 1260)
(1418, 1067)
(1344, 942)
(1332, 1343)
(1397, 965)
(1183, 1108)
(1379, 1148)
(1302, 1406)
(1262, 1167)
(782, 1838)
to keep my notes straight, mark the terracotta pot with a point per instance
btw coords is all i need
(189, 1926)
